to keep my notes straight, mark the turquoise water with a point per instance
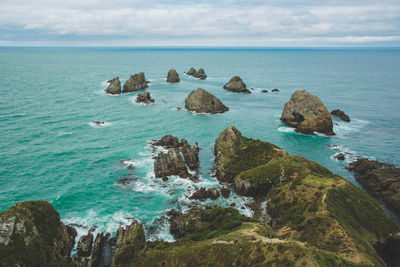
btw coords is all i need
(49, 96)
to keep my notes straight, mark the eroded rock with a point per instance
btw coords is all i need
(173, 76)
(135, 83)
(343, 116)
(114, 86)
(144, 98)
(202, 101)
(236, 85)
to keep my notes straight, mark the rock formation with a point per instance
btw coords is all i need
(170, 163)
(275, 90)
(191, 71)
(144, 98)
(236, 85)
(264, 91)
(173, 76)
(203, 194)
(31, 234)
(168, 141)
(307, 114)
(381, 179)
(135, 83)
(225, 190)
(341, 115)
(202, 101)
(114, 86)
(201, 74)
(84, 247)
(190, 154)
(132, 234)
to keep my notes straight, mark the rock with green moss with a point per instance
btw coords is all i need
(135, 83)
(201, 101)
(307, 113)
(236, 85)
(173, 76)
(235, 153)
(114, 86)
(31, 234)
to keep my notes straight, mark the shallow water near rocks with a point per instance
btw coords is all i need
(51, 149)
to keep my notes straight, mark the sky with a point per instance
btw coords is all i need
(240, 23)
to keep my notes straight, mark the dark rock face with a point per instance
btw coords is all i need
(85, 245)
(190, 154)
(191, 71)
(114, 86)
(264, 91)
(341, 115)
(170, 163)
(31, 234)
(203, 194)
(307, 114)
(98, 122)
(130, 235)
(389, 249)
(340, 157)
(225, 190)
(173, 76)
(144, 98)
(201, 74)
(382, 179)
(135, 83)
(275, 90)
(202, 101)
(236, 85)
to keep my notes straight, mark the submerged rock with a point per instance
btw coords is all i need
(264, 91)
(307, 114)
(275, 90)
(202, 101)
(98, 122)
(114, 86)
(144, 98)
(382, 179)
(191, 71)
(31, 234)
(127, 180)
(201, 74)
(135, 83)
(173, 76)
(84, 247)
(170, 163)
(236, 85)
(341, 115)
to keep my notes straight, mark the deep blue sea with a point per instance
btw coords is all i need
(49, 149)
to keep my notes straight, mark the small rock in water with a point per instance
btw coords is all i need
(98, 122)
(165, 178)
(144, 98)
(264, 91)
(340, 157)
(127, 180)
(275, 90)
(339, 113)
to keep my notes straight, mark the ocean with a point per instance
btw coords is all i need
(51, 149)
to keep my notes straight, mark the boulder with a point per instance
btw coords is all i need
(203, 194)
(340, 157)
(235, 153)
(168, 141)
(114, 86)
(170, 163)
(190, 154)
(200, 74)
(381, 179)
(31, 234)
(307, 114)
(236, 85)
(173, 76)
(191, 71)
(127, 180)
(341, 115)
(213, 193)
(84, 247)
(144, 98)
(135, 83)
(202, 101)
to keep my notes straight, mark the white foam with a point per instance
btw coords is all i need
(64, 133)
(342, 128)
(286, 129)
(95, 125)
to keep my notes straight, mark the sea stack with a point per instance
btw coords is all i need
(202, 101)
(341, 115)
(144, 98)
(135, 83)
(236, 85)
(201, 74)
(191, 71)
(114, 86)
(173, 76)
(307, 113)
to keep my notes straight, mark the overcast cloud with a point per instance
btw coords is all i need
(200, 23)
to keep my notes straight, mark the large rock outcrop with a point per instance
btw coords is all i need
(236, 85)
(340, 114)
(144, 98)
(135, 83)
(201, 74)
(381, 179)
(114, 86)
(170, 163)
(84, 247)
(190, 154)
(235, 153)
(191, 71)
(203, 194)
(31, 234)
(202, 101)
(307, 114)
(173, 76)
(389, 249)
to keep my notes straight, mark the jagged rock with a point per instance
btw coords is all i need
(173, 76)
(132, 234)
(236, 85)
(389, 249)
(190, 154)
(264, 91)
(200, 74)
(307, 114)
(275, 90)
(235, 153)
(85, 245)
(341, 115)
(213, 193)
(135, 83)
(103, 250)
(191, 71)
(31, 234)
(80, 261)
(170, 163)
(382, 179)
(144, 98)
(225, 190)
(202, 101)
(202, 194)
(340, 157)
(168, 141)
(114, 86)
